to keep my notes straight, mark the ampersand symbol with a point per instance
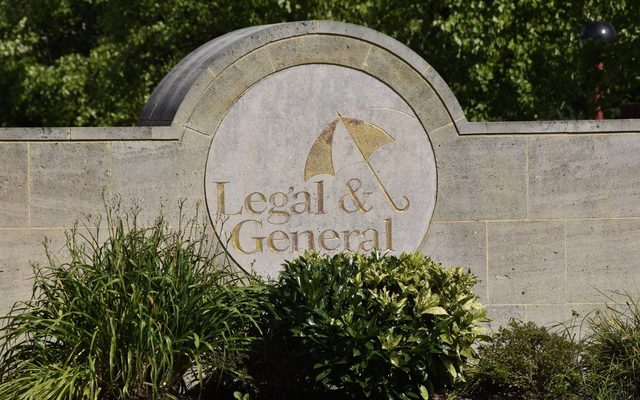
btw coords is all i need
(352, 199)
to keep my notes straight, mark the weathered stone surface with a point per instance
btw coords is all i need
(110, 133)
(480, 178)
(318, 49)
(393, 71)
(602, 256)
(429, 109)
(184, 83)
(155, 175)
(564, 318)
(552, 315)
(460, 245)
(30, 134)
(526, 262)
(412, 86)
(359, 189)
(189, 103)
(444, 92)
(14, 211)
(18, 249)
(68, 180)
(503, 314)
(88, 134)
(225, 88)
(624, 176)
(371, 36)
(549, 127)
(584, 176)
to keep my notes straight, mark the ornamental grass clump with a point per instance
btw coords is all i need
(612, 353)
(361, 326)
(147, 314)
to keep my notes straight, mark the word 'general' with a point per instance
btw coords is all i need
(279, 241)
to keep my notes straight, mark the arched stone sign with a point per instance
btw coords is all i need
(319, 139)
(343, 124)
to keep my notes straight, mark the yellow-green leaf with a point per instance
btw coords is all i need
(435, 311)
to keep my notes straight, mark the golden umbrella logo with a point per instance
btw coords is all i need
(367, 138)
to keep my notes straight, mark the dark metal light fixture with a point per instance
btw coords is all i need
(596, 34)
(601, 31)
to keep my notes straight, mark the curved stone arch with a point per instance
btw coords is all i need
(218, 72)
(199, 94)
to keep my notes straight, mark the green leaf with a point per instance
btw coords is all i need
(435, 311)
(321, 376)
(424, 393)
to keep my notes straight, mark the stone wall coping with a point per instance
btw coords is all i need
(85, 134)
(466, 128)
(548, 127)
(210, 59)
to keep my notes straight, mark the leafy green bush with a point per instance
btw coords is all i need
(525, 361)
(367, 326)
(612, 353)
(148, 314)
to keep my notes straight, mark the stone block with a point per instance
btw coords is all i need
(429, 108)
(225, 88)
(14, 172)
(503, 314)
(624, 176)
(444, 92)
(480, 178)
(32, 134)
(173, 132)
(371, 36)
(191, 99)
(526, 262)
(551, 127)
(584, 176)
(68, 181)
(19, 248)
(569, 319)
(318, 49)
(471, 127)
(602, 256)
(410, 85)
(111, 133)
(555, 316)
(563, 181)
(185, 79)
(246, 40)
(459, 245)
(165, 173)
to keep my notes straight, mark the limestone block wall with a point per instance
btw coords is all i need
(51, 178)
(548, 221)
(546, 214)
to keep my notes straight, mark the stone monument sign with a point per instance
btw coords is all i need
(316, 143)
(333, 137)
(319, 157)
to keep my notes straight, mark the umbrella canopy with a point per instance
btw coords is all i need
(367, 137)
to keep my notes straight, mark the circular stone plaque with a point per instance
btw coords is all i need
(319, 157)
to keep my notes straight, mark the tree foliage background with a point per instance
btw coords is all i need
(95, 62)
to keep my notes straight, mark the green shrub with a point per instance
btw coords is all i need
(612, 353)
(525, 361)
(367, 326)
(148, 314)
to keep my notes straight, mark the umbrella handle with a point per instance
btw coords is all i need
(405, 199)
